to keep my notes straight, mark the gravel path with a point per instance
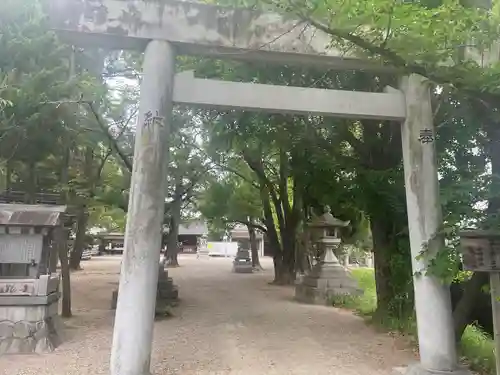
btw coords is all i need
(227, 323)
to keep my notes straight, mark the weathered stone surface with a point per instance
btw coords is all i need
(16, 346)
(5, 345)
(197, 28)
(42, 331)
(26, 336)
(28, 345)
(6, 329)
(324, 283)
(44, 345)
(56, 331)
(23, 329)
(30, 337)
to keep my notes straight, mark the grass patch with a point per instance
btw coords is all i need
(476, 347)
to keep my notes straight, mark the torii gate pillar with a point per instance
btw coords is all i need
(133, 329)
(436, 336)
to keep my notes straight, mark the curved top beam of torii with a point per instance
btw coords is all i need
(198, 29)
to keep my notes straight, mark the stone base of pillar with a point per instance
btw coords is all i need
(417, 369)
(167, 294)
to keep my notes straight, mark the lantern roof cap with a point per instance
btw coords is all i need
(327, 220)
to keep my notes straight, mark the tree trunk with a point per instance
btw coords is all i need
(172, 246)
(8, 176)
(287, 274)
(79, 244)
(61, 239)
(272, 234)
(393, 272)
(173, 235)
(31, 188)
(82, 214)
(383, 279)
(254, 247)
(61, 242)
(301, 253)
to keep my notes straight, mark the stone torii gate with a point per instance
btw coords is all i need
(165, 29)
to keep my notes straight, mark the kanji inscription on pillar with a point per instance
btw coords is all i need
(151, 119)
(426, 136)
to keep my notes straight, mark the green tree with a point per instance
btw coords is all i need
(233, 200)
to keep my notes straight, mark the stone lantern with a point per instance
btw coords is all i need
(328, 278)
(202, 247)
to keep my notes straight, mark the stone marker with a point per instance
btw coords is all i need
(29, 284)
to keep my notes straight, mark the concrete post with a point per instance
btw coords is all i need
(133, 329)
(436, 336)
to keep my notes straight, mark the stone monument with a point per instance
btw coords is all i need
(242, 262)
(29, 284)
(327, 278)
(167, 293)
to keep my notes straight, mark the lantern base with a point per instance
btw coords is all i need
(417, 369)
(326, 282)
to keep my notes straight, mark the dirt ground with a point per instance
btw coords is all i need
(226, 323)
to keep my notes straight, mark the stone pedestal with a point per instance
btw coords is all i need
(203, 253)
(167, 293)
(326, 280)
(29, 324)
(242, 262)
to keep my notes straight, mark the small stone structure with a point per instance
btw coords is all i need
(167, 293)
(29, 284)
(242, 262)
(202, 247)
(328, 278)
